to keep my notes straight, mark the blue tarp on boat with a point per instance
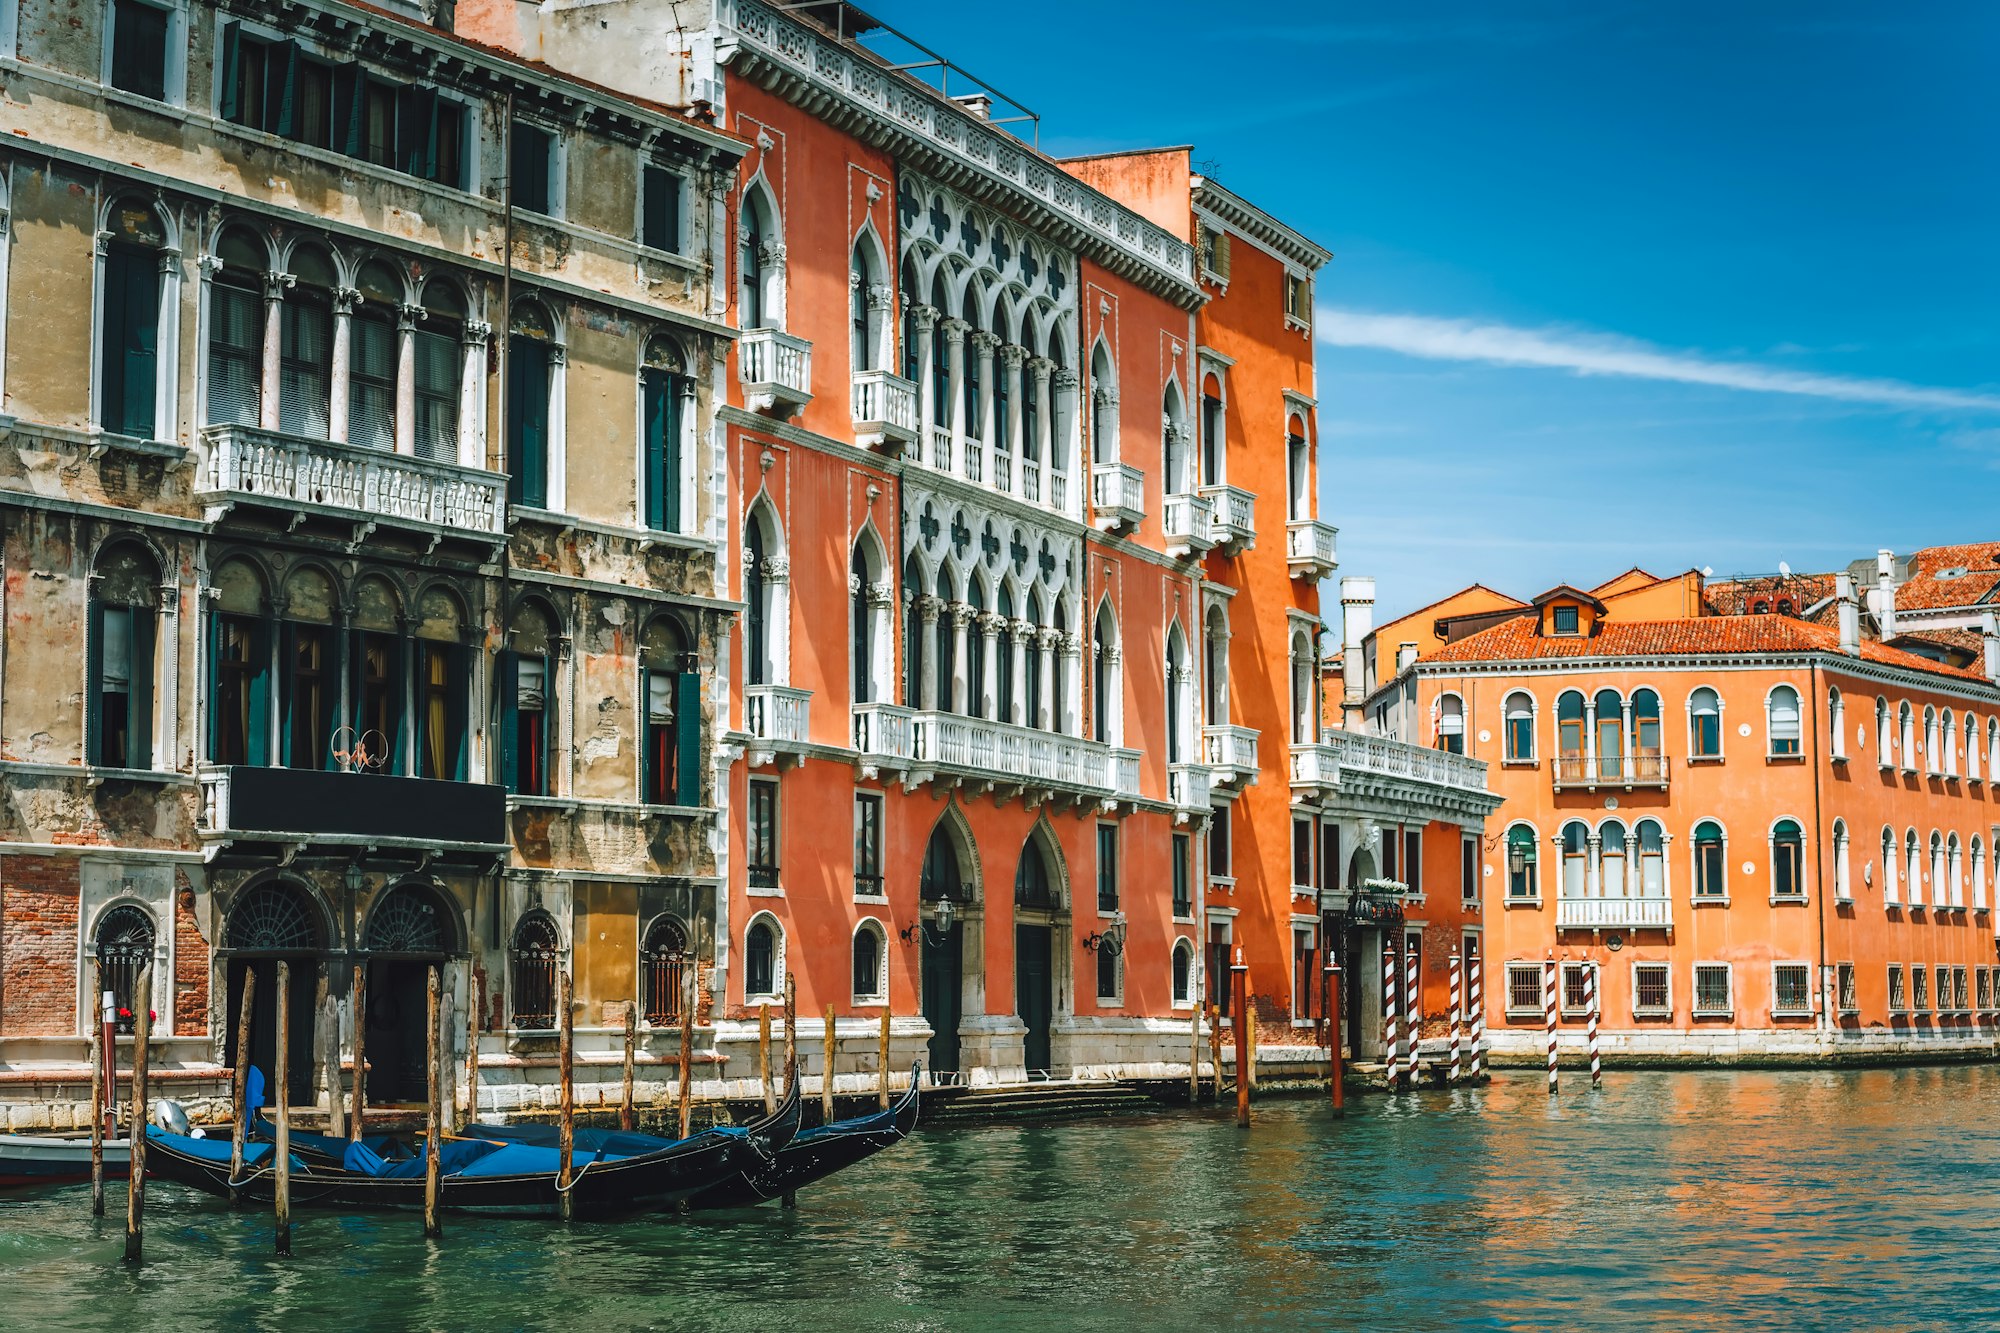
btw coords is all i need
(457, 1155)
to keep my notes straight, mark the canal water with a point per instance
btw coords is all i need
(1711, 1200)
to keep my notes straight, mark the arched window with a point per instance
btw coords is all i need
(136, 322)
(1451, 724)
(1179, 698)
(1940, 884)
(1183, 972)
(666, 415)
(975, 400)
(760, 275)
(372, 356)
(1933, 760)
(1106, 705)
(438, 381)
(124, 596)
(1652, 859)
(1890, 870)
(1212, 432)
(1518, 714)
(1103, 407)
(946, 656)
(1002, 427)
(1215, 666)
(124, 948)
(1993, 749)
(443, 686)
(305, 345)
(1610, 735)
(866, 302)
(1037, 660)
(873, 668)
(1710, 861)
(1173, 443)
(1788, 878)
(1570, 753)
(1954, 853)
(239, 685)
(860, 618)
(1611, 859)
(915, 634)
(525, 698)
(1913, 870)
(1004, 687)
(1704, 724)
(1947, 760)
(1906, 727)
(1885, 734)
(532, 959)
(670, 683)
(941, 385)
(871, 978)
(1031, 407)
(379, 681)
(1836, 724)
(664, 971)
(1034, 886)
(1646, 749)
(1298, 470)
(1304, 713)
(766, 596)
(1575, 860)
(1972, 772)
(1782, 720)
(1843, 864)
(763, 958)
(1978, 873)
(1062, 690)
(235, 389)
(975, 657)
(533, 357)
(1522, 853)
(308, 664)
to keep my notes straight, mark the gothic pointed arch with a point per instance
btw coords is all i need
(951, 867)
(412, 918)
(1041, 875)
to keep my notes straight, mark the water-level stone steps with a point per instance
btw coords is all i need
(1035, 1101)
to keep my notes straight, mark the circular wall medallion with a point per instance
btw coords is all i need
(1484, 736)
(1611, 803)
(1749, 867)
(1614, 942)
(1743, 729)
(1489, 872)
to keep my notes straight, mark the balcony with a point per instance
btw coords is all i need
(1614, 913)
(1189, 522)
(777, 718)
(1022, 756)
(972, 460)
(882, 738)
(776, 370)
(348, 483)
(1404, 779)
(885, 410)
(1189, 786)
(1315, 771)
(297, 807)
(1575, 772)
(1118, 495)
(940, 454)
(1309, 548)
(1231, 754)
(1235, 526)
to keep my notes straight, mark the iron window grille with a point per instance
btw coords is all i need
(536, 950)
(125, 939)
(1711, 989)
(1791, 988)
(1524, 988)
(664, 964)
(1652, 989)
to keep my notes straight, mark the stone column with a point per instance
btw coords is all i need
(1071, 672)
(407, 318)
(275, 286)
(928, 607)
(1062, 442)
(167, 381)
(954, 331)
(342, 371)
(1047, 643)
(881, 345)
(1018, 633)
(986, 705)
(1590, 739)
(923, 327)
(1007, 436)
(1593, 881)
(882, 640)
(1667, 866)
(961, 620)
(472, 395)
(1625, 739)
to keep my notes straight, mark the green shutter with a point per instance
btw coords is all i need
(653, 385)
(288, 694)
(231, 65)
(354, 132)
(456, 706)
(527, 423)
(670, 454)
(507, 716)
(259, 744)
(139, 754)
(214, 683)
(687, 738)
(93, 684)
(285, 66)
(128, 358)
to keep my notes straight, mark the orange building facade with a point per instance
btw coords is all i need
(1759, 836)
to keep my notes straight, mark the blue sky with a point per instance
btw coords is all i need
(1676, 284)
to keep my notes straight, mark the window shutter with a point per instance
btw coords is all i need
(687, 739)
(352, 84)
(507, 708)
(232, 71)
(1221, 264)
(456, 705)
(661, 213)
(288, 644)
(654, 386)
(286, 67)
(139, 752)
(528, 422)
(94, 682)
(131, 328)
(259, 742)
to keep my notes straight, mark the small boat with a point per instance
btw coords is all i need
(480, 1175)
(49, 1159)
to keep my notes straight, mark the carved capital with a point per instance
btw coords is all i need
(928, 607)
(1012, 355)
(961, 615)
(1072, 645)
(558, 354)
(277, 284)
(1065, 378)
(210, 265)
(1020, 630)
(983, 342)
(345, 299)
(478, 332)
(409, 315)
(102, 241)
(777, 569)
(1049, 639)
(924, 318)
(880, 296)
(1040, 368)
(882, 594)
(954, 331)
(991, 623)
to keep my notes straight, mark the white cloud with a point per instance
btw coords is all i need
(1587, 353)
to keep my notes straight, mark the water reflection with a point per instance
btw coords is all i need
(1694, 1199)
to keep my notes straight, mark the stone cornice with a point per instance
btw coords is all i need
(1879, 672)
(1254, 222)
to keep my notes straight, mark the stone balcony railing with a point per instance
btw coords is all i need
(1616, 770)
(940, 453)
(1118, 495)
(1359, 752)
(1614, 913)
(1309, 548)
(776, 370)
(1189, 522)
(350, 482)
(1230, 753)
(1235, 524)
(777, 714)
(1022, 755)
(883, 736)
(1315, 771)
(1189, 786)
(885, 410)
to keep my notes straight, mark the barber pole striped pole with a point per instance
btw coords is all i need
(1457, 1017)
(1549, 1017)
(1477, 990)
(1391, 1053)
(1411, 995)
(1594, 1000)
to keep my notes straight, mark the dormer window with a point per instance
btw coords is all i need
(1563, 620)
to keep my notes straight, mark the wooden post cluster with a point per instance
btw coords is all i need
(789, 1199)
(433, 1107)
(882, 1096)
(687, 1050)
(281, 1098)
(240, 1115)
(358, 1004)
(1215, 1048)
(826, 1082)
(764, 1057)
(135, 1190)
(566, 1071)
(101, 1040)
(471, 1043)
(627, 1112)
(1194, 1055)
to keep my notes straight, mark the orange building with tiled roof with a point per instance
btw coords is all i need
(1764, 837)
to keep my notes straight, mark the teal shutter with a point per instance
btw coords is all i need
(214, 685)
(285, 66)
(456, 708)
(687, 738)
(507, 717)
(646, 760)
(131, 329)
(354, 131)
(231, 102)
(139, 753)
(670, 454)
(93, 686)
(653, 385)
(259, 744)
(288, 695)
(527, 422)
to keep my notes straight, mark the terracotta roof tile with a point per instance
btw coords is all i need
(1706, 636)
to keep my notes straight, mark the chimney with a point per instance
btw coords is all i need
(979, 104)
(1357, 620)
(1989, 631)
(1885, 594)
(1406, 657)
(1850, 614)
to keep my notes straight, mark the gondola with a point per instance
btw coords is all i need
(814, 1154)
(51, 1159)
(481, 1175)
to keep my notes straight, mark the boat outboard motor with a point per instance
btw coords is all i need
(168, 1115)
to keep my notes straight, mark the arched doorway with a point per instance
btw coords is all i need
(409, 932)
(268, 923)
(943, 879)
(1037, 899)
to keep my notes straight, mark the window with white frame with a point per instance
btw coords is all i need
(763, 959)
(1836, 724)
(1704, 724)
(871, 963)
(1906, 741)
(1787, 860)
(1954, 857)
(1451, 724)
(1899, 1001)
(1577, 994)
(1110, 975)
(1468, 868)
(144, 49)
(1652, 989)
(1183, 973)
(1524, 988)
(1948, 738)
(1711, 860)
(868, 882)
(660, 193)
(1972, 771)
(1522, 850)
(1961, 1002)
(1978, 873)
(761, 852)
(1984, 980)
(1885, 734)
(1940, 894)
(1843, 872)
(1920, 987)
(1847, 999)
(1791, 989)
(1913, 868)
(1993, 748)
(1518, 719)
(1932, 757)
(1890, 895)
(1782, 720)
(1712, 992)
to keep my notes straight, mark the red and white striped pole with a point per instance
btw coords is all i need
(1477, 989)
(1457, 1017)
(1549, 1016)
(1411, 1008)
(1595, 1000)
(1391, 1053)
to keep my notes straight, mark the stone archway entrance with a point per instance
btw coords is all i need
(272, 922)
(1038, 903)
(410, 932)
(943, 974)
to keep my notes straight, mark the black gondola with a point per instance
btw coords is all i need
(604, 1185)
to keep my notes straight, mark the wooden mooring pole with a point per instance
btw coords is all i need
(1336, 1082)
(789, 1199)
(359, 1005)
(882, 1098)
(1194, 1056)
(433, 1105)
(565, 1070)
(764, 1056)
(98, 1041)
(281, 1083)
(1250, 1036)
(1215, 1048)
(471, 1043)
(625, 1106)
(240, 1114)
(826, 1081)
(336, 1096)
(688, 1002)
(135, 1189)
(1240, 981)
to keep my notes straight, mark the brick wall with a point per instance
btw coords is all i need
(190, 965)
(38, 909)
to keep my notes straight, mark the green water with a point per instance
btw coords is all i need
(1857, 1199)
